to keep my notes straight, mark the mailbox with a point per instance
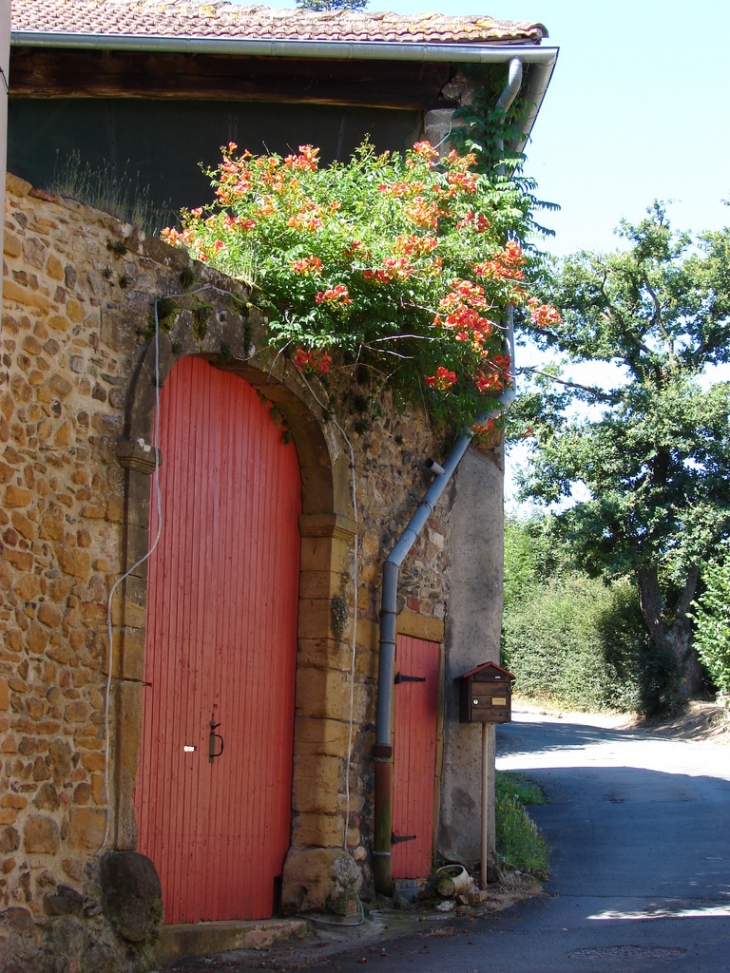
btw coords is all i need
(485, 695)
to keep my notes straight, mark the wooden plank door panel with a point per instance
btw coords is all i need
(414, 756)
(220, 645)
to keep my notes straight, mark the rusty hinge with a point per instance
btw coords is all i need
(401, 678)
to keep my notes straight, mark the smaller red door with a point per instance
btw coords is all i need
(414, 755)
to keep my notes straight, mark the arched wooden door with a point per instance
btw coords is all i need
(220, 649)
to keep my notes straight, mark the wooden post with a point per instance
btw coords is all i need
(485, 802)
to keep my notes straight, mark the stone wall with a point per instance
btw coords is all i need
(75, 416)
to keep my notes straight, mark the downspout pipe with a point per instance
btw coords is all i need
(383, 753)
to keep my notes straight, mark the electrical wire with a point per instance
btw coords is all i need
(153, 546)
(141, 560)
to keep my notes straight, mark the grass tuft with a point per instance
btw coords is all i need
(519, 841)
(120, 196)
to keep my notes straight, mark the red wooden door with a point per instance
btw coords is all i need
(414, 755)
(221, 647)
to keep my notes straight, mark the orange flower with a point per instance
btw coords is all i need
(442, 380)
(335, 296)
(307, 265)
(312, 361)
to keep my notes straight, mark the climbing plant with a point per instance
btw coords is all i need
(398, 266)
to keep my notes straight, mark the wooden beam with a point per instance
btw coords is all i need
(125, 74)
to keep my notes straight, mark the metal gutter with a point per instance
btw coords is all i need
(339, 50)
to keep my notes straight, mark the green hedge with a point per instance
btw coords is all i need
(582, 644)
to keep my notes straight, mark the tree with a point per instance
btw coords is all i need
(650, 446)
(319, 6)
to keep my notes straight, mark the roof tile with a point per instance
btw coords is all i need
(218, 19)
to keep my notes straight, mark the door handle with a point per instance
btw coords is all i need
(212, 752)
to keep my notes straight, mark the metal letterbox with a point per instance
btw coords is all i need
(485, 694)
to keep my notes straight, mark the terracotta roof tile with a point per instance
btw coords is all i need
(217, 19)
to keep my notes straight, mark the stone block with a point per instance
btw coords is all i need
(60, 385)
(65, 901)
(9, 840)
(16, 801)
(4, 694)
(21, 295)
(48, 615)
(131, 895)
(58, 322)
(16, 496)
(74, 562)
(40, 835)
(319, 584)
(315, 618)
(315, 736)
(54, 267)
(325, 653)
(51, 528)
(320, 879)
(93, 760)
(37, 639)
(16, 186)
(24, 525)
(28, 587)
(65, 434)
(75, 311)
(316, 784)
(12, 245)
(47, 798)
(87, 826)
(317, 830)
(322, 693)
(323, 554)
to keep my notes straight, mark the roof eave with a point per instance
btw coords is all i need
(474, 53)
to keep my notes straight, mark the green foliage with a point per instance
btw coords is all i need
(492, 135)
(511, 785)
(392, 262)
(580, 644)
(532, 556)
(519, 842)
(652, 454)
(712, 619)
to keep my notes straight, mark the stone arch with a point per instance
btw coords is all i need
(326, 529)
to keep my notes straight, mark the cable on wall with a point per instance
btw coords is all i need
(353, 659)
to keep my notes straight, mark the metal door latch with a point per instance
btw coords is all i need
(396, 839)
(212, 754)
(401, 678)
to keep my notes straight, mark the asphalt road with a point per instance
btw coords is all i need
(640, 835)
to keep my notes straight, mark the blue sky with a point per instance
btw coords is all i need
(636, 110)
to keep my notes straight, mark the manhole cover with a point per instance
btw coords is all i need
(627, 952)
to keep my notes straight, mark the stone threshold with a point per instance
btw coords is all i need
(203, 938)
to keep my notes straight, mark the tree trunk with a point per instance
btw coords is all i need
(676, 638)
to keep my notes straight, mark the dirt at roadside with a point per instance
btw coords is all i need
(696, 720)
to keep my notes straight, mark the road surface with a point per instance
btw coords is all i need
(640, 833)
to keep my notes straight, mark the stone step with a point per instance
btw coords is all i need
(202, 938)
